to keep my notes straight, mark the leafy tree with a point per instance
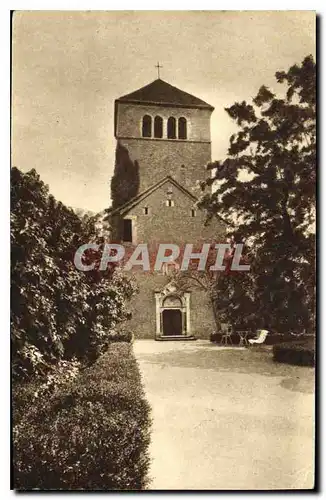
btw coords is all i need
(228, 291)
(265, 192)
(57, 311)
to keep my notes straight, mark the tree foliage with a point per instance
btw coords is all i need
(57, 311)
(227, 290)
(125, 180)
(265, 191)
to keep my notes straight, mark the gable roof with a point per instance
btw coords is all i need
(137, 199)
(162, 93)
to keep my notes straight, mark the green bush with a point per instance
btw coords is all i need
(26, 394)
(57, 311)
(295, 353)
(93, 434)
(121, 336)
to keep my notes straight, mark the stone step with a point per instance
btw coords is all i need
(175, 337)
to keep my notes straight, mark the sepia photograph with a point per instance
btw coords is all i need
(163, 250)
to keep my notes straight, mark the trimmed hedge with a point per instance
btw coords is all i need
(121, 336)
(91, 435)
(295, 353)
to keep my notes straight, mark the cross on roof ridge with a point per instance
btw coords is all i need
(158, 69)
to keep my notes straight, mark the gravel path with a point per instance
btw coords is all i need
(227, 418)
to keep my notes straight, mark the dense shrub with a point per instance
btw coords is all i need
(295, 353)
(26, 394)
(93, 434)
(121, 335)
(57, 311)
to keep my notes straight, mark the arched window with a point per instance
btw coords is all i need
(147, 126)
(182, 128)
(172, 128)
(158, 127)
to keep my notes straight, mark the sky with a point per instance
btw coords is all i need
(69, 67)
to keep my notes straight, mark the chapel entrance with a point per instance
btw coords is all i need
(172, 309)
(172, 322)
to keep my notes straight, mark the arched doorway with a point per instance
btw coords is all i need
(172, 320)
(172, 313)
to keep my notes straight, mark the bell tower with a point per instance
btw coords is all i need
(165, 131)
(163, 146)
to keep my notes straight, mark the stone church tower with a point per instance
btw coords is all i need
(165, 133)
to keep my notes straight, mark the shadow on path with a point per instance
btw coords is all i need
(249, 361)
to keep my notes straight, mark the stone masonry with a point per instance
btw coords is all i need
(165, 211)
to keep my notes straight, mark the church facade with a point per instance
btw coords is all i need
(165, 133)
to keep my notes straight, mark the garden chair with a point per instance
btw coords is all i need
(226, 331)
(260, 337)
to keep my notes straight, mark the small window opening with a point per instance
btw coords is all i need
(193, 212)
(182, 128)
(158, 127)
(145, 210)
(169, 203)
(147, 126)
(172, 128)
(127, 230)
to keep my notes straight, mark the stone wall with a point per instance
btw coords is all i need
(174, 225)
(143, 322)
(185, 160)
(129, 120)
(165, 224)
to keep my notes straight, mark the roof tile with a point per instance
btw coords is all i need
(161, 92)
